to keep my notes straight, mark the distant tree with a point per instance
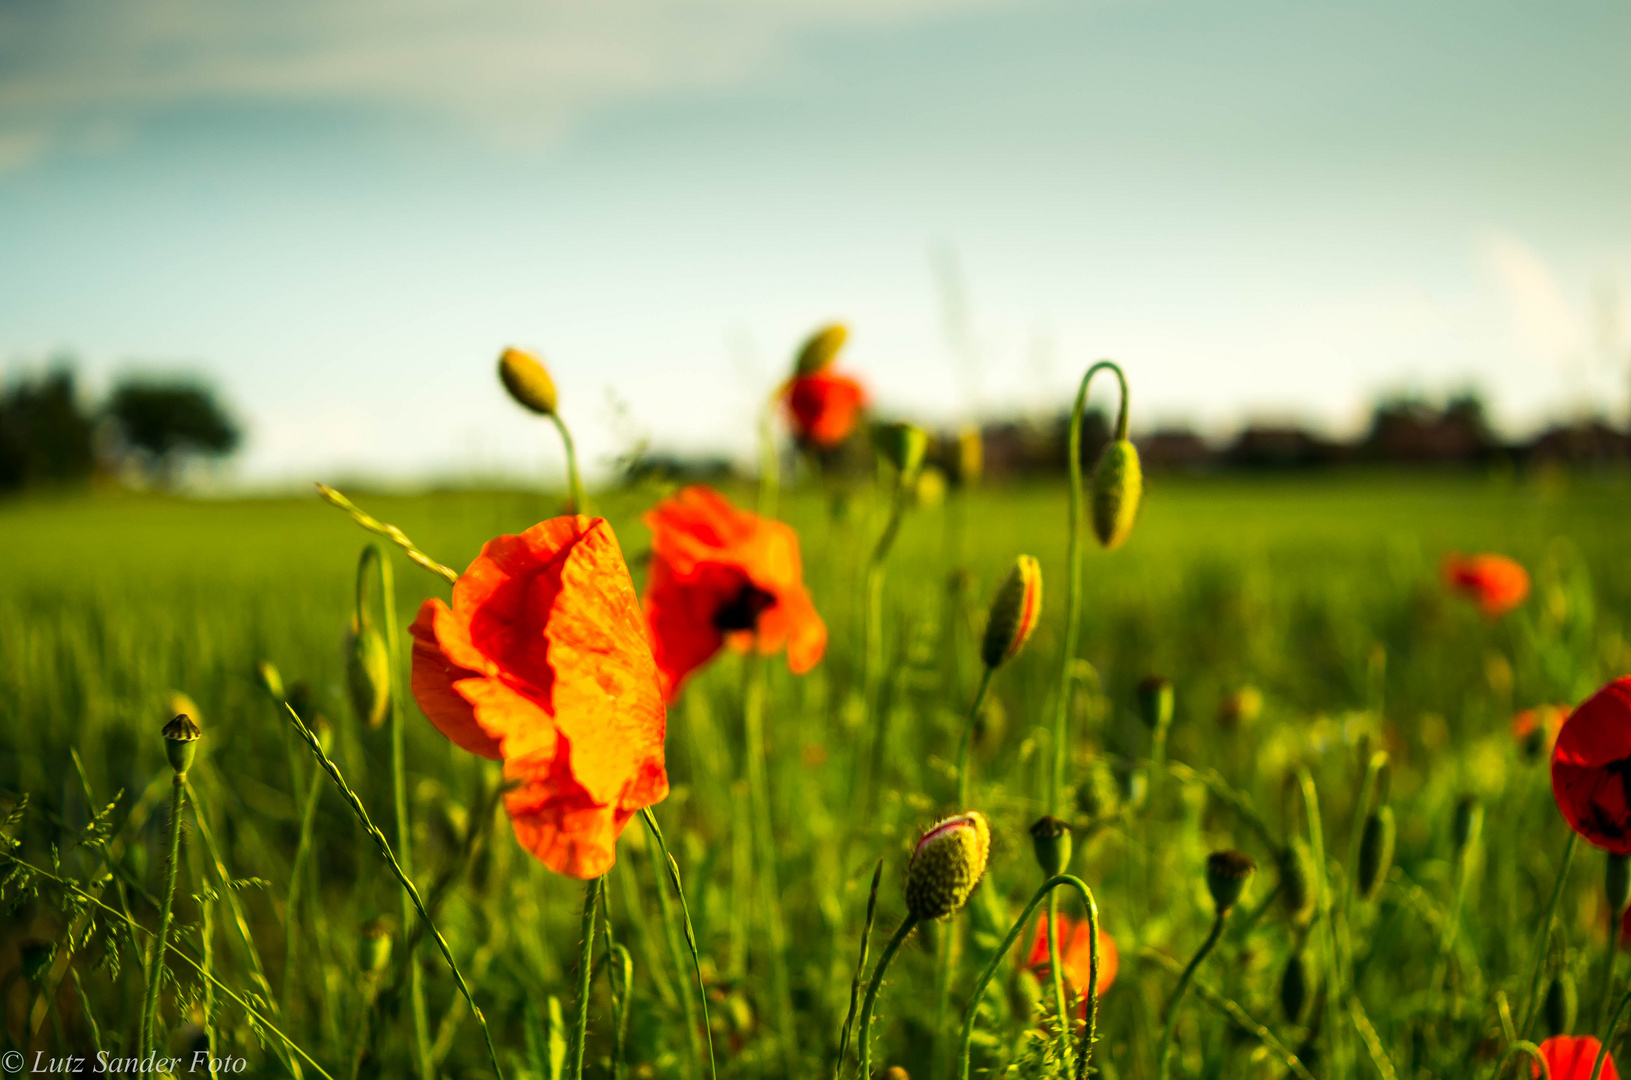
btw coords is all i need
(160, 423)
(45, 438)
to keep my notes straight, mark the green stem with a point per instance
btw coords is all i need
(690, 933)
(753, 708)
(968, 736)
(1090, 1033)
(291, 907)
(1235, 1013)
(860, 972)
(155, 967)
(872, 672)
(1335, 992)
(1073, 595)
(1533, 1051)
(1056, 977)
(864, 1037)
(574, 482)
(1178, 992)
(586, 960)
(1544, 935)
(1452, 920)
(1602, 1050)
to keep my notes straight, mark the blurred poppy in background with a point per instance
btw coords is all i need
(1075, 957)
(1591, 768)
(1495, 583)
(823, 407)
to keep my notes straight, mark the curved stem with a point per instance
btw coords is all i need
(1544, 935)
(1056, 975)
(1178, 993)
(968, 734)
(1090, 1033)
(865, 1034)
(155, 967)
(1523, 1046)
(586, 961)
(1073, 595)
(1602, 1050)
(574, 482)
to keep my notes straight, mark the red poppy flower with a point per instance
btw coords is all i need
(1572, 1057)
(823, 407)
(721, 574)
(542, 662)
(1496, 583)
(1535, 730)
(1075, 956)
(1591, 768)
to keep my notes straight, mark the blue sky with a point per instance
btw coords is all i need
(342, 212)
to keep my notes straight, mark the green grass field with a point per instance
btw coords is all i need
(1320, 592)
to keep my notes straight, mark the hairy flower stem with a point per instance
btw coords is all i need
(968, 737)
(864, 1036)
(155, 965)
(1177, 999)
(574, 482)
(1544, 935)
(753, 709)
(586, 963)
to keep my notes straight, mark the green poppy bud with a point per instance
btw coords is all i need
(270, 679)
(181, 737)
(946, 865)
(368, 673)
(1226, 875)
(1014, 611)
(1562, 1004)
(1469, 822)
(1155, 702)
(821, 349)
(1617, 882)
(1297, 882)
(374, 948)
(1295, 986)
(1118, 484)
(528, 381)
(902, 445)
(1050, 838)
(1375, 851)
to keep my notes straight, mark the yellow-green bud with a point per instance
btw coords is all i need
(181, 737)
(821, 349)
(946, 865)
(1014, 612)
(368, 673)
(325, 734)
(1226, 875)
(1375, 851)
(1562, 1004)
(970, 456)
(270, 679)
(1155, 702)
(1050, 838)
(1296, 882)
(528, 381)
(1118, 484)
(1469, 822)
(902, 445)
(1295, 985)
(374, 948)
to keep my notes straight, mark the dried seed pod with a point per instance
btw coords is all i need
(1118, 485)
(528, 381)
(946, 865)
(1375, 851)
(1014, 612)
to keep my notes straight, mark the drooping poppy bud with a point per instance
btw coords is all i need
(1050, 838)
(181, 737)
(374, 947)
(946, 865)
(1226, 875)
(1155, 701)
(1295, 986)
(1468, 823)
(902, 445)
(821, 349)
(1118, 485)
(1297, 882)
(271, 681)
(1375, 851)
(528, 381)
(1562, 1004)
(1617, 882)
(368, 673)
(1014, 612)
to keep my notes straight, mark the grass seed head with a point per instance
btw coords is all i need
(528, 381)
(946, 865)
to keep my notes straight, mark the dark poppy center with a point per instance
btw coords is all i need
(1609, 823)
(742, 611)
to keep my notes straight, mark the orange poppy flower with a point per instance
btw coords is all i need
(823, 407)
(1496, 583)
(721, 574)
(1076, 956)
(1572, 1057)
(542, 662)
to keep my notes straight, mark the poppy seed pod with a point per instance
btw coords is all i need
(1155, 702)
(902, 445)
(368, 673)
(270, 679)
(821, 349)
(528, 381)
(1050, 838)
(374, 948)
(1226, 875)
(1295, 984)
(1617, 882)
(1118, 484)
(1297, 882)
(1562, 1004)
(1375, 851)
(946, 865)
(1014, 611)
(181, 737)
(1469, 821)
